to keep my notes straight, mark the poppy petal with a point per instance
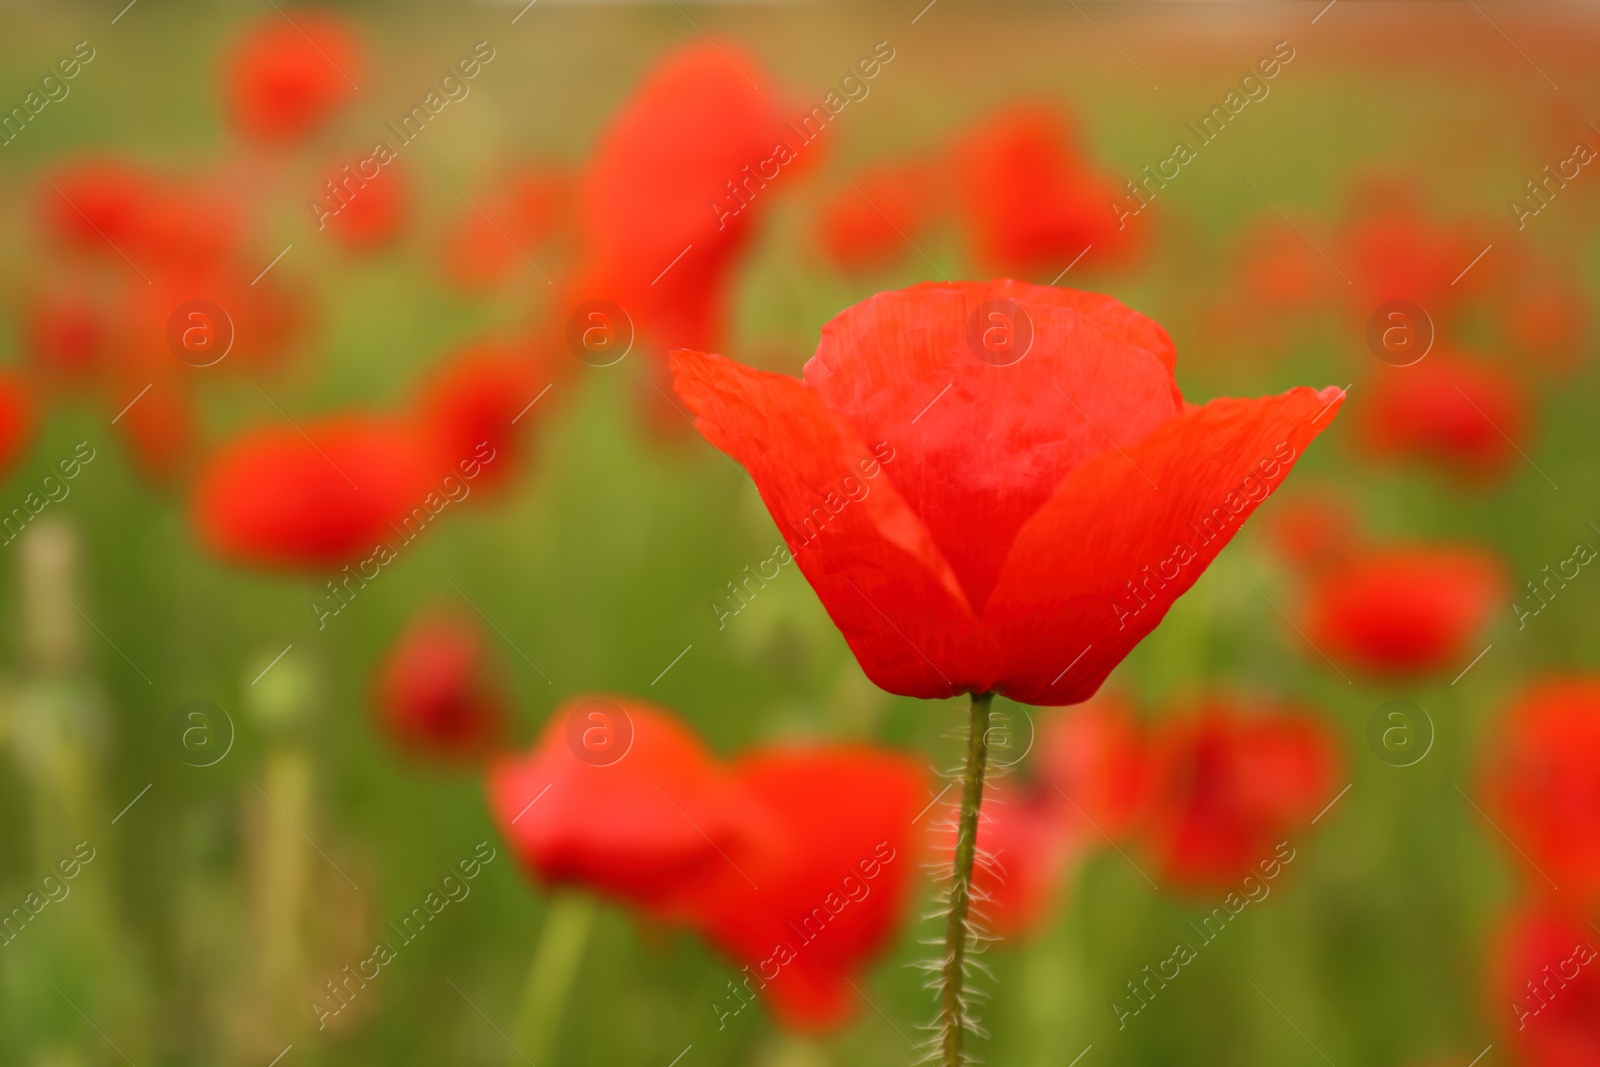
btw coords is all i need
(1093, 374)
(871, 560)
(1088, 576)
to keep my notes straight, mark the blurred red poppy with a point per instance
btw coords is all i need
(1541, 779)
(435, 695)
(66, 334)
(320, 494)
(797, 863)
(159, 429)
(876, 218)
(823, 887)
(671, 193)
(642, 821)
(1547, 321)
(1314, 531)
(1083, 788)
(289, 74)
(1469, 416)
(1027, 840)
(1228, 787)
(1393, 250)
(1404, 611)
(1016, 541)
(1030, 198)
(1548, 974)
(481, 396)
(17, 419)
(97, 205)
(1276, 285)
(1093, 759)
(371, 212)
(519, 214)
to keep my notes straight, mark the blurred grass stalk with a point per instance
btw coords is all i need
(59, 730)
(562, 939)
(280, 860)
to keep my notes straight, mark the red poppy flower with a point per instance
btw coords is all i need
(795, 863)
(869, 222)
(1547, 322)
(1229, 789)
(669, 197)
(1093, 759)
(372, 212)
(159, 429)
(434, 693)
(66, 335)
(16, 419)
(315, 496)
(1469, 416)
(1087, 780)
(1548, 973)
(1029, 197)
(620, 797)
(1403, 612)
(469, 404)
(1010, 536)
(1394, 251)
(93, 205)
(1314, 531)
(1027, 839)
(821, 889)
(518, 216)
(289, 75)
(1542, 781)
(1277, 283)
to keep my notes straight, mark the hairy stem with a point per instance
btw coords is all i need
(955, 931)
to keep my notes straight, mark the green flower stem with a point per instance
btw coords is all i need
(955, 931)
(567, 922)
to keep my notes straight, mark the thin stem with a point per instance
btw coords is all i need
(556, 958)
(956, 930)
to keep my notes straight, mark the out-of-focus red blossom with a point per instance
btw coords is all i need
(1228, 786)
(1541, 779)
(1314, 531)
(1030, 198)
(1392, 250)
(523, 211)
(1404, 611)
(834, 876)
(1546, 989)
(1278, 281)
(88, 204)
(867, 223)
(1547, 322)
(16, 419)
(289, 74)
(371, 212)
(1088, 780)
(265, 319)
(1027, 840)
(277, 496)
(66, 335)
(160, 430)
(1011, 508)
(658, 192)
(110, 209)
(1462, 414)
(434, 693)
(795, 862)
(471, 401)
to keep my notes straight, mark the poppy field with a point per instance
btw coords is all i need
(695, 535)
